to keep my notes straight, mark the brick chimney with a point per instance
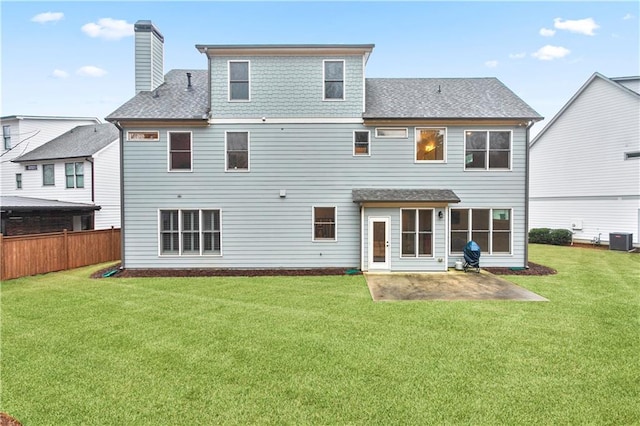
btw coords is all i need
(149, 56)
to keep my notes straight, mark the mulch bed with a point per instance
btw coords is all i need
(534, 269)
(7, 420)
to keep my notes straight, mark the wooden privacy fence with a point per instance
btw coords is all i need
(25, 255)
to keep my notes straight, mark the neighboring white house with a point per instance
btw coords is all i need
(585, 163)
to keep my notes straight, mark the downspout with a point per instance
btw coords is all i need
(362, 227)
(93, 180)
(526, 197)
(119, 127)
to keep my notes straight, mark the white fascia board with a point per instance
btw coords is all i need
(276, 120)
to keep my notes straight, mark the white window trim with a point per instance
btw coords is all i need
(486, 168)
(180, 254)
(416, 134)
(313, 224)
(405, 129)
(344, 81)
(54, 174)
(131, 139)
(368, 154)
(75, 175)
(229, 62)
(226, 157)
(190, 170)
(417, 256)
(469, 230)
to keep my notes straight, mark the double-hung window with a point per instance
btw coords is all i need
(190, 232)
(74, 174)
(417, 232)
(324, 224)
(361, 143)
(6, 135)
(333, 80)
(487, 150)
(239, 81)
(490, 228)
(237, 151)
(180, 152)
(18, 180)
(48, 174)
(431, 144)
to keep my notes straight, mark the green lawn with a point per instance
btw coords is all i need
(317, 350)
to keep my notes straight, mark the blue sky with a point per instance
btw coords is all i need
(76, 58)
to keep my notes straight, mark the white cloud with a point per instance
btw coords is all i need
(580, 26)
(549, 53)
(491, 64)
(547, 32)
(91, 71)
(108, 29)
(43, 18)
(59, 74)
(517, 55)
(628, 16)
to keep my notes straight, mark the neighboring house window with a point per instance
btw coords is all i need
(490, 228)
(630, 155)
(417, 232)
(18, 180)
(237, 149)
(238, 80)
(487, 150)
(48, 175)
(74, 173)
(397, 133)
(361, 143)
(180, 151)
(324, 224)
(190, 232)
(6, 135)
(333, 80)
(431, 144)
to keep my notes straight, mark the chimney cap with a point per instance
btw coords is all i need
(146, 26)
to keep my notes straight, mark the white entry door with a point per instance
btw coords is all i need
(378, 243)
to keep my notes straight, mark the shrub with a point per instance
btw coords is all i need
(558, 237)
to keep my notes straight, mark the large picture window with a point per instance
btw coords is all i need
(417, 232)
(487, 150)
(237, 149)
(239, 80)
(333, 80)
(190, 232)
(324, 224)
(180, 152)
(74, 173)
(431, 144)
(490, 228)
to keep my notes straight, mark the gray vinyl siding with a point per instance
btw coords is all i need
(149, 69)
(314, 163)
(276, 81)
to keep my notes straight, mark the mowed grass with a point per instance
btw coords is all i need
(317, 350)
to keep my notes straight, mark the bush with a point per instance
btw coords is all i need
(557, 237)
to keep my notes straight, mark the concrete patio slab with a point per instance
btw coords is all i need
(452, 285)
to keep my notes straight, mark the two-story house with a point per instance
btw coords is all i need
(286, 156)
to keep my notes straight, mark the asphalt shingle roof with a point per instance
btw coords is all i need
(81, 141)
(171, 100)
(443, 98)
(28, 204)
(361, 195)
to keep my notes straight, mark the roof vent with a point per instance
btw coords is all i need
(189, 86)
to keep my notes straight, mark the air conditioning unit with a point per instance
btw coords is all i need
(620, 241)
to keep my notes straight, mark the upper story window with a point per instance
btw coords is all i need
(392, 132)
(180, 153)
(487, 150)
(431, 144)
(237, 151)
(151, 135)
(18, 180)
(238, 80)
(361, 143)
(333, 80)
(48, 175)
(631, 155)
(74, 173)
(6, 136)
(324, 224)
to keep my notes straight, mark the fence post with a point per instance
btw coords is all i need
(2, 262)
(66, 249)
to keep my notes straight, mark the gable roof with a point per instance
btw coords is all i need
(444, 98)
(614, 82)
(170, 101)
(22, 204)
(81, 141)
